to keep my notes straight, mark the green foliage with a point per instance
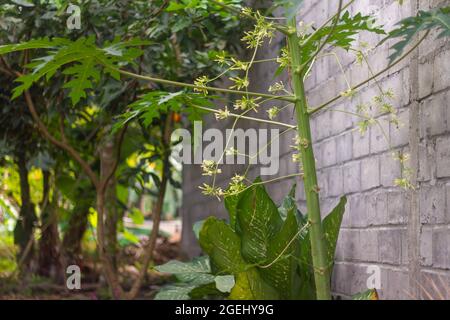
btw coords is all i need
(370, 294)
(331, 226)
(268, 252)
(151, 105)
(195, 280)
(81, 61)
(223, 246)
(408, 28)
(258, 220)
(342, 36)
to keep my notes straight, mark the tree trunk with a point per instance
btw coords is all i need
(157, 212)
(23, 231)
(107, 265)
(49, 263)
(77, 226)
(107, 162)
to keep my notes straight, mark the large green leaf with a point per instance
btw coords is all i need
(409, 27)
(175, 292)
(222, 245)
(331, 227)
(196, 280)
(257, 221)
(251, 286)
(196, 272)
(289, 204)
(198, 265)
(281, 268)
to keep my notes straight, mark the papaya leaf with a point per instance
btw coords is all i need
(222, 245)
(257, 221)
(409, 27)
(82, 60)
(83, 73)
(342, 36)
(152, 104)
(41, 43)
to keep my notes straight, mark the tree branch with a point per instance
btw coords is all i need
(65, 146)
(105, 181)
(156, 215)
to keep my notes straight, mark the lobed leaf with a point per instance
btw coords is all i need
(343, 34)
(408, 28)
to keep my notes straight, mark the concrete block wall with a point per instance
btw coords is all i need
(406, 234)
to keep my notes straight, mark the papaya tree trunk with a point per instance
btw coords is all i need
(317, 237)
(23, 231)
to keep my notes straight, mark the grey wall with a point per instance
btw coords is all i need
(405, 233)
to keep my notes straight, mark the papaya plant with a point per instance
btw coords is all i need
(270, 252)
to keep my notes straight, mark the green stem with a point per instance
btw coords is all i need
(193, 86)
(281, 124)
(330, 34)
(373, 77)
(317, 238)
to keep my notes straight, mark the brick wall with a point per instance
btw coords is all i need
(405, 233)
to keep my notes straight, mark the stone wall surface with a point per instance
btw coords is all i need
(404, 233)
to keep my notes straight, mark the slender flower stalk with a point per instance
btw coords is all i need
(193, 86)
